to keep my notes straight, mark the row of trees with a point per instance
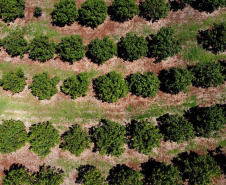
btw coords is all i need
(110, 137)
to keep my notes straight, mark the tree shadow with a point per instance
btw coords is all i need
(162, 76)
(176, 5)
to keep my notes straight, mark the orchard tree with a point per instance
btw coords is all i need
(101, 50)
(132, 47)
(11, 9)
(93, 12)
(208, 74)
(143, 136)
(37, 11)
(71, 48)
(164, 44)
(176, 80)
(176, 128)
(13, 136)
(123, 175)
(123, 10)
(110, 87)
(76, 85)
(43, 86)
(42, 138)
(65, 12)
(213, 39)
(41, 48)
(75, 140)
(109, 138)
(14, 81)
(15, 44)
(146, 85)
(154, 9)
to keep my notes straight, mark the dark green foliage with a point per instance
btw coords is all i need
(143, 136)
(146, 85)
(76, 85)
(176, 128)
(71, 48)
(37, 11)
(42, 138)
(208, 74)
(89, 175)
(164, 44)
(75, 140)
(43, 86)
(15, 44)
(207, 120)
(175, 80)
(132, 47)
(93, 12)
(214, 39)
(109, 138)
(110, 87)
(123, 10)
(14, 81)
(154, 9)
(101, 50)
(12, 136)
(41, 48)
(65, 12)
(123, 175)
(11, 9)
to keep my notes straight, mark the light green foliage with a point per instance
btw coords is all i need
(75, 140)
(43, 86)
(76, 85)
(109, 138)
(12, 136)
(42, 138)
(37, 11)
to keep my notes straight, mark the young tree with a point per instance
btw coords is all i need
(43, 86)
(13, 136)
(213, 39)
(76, 85)
(93, 12)
(15, 44)
(154, 9)
(42, 138)
(14, 81)
(176, 128)
(175, 80)
(11, 9)
(164, 44)
(37, 11)
(122, 175)
(109, 138)
(101, 50)
(41, 48)
(143, 136)
(123, 10)
(132, 47)
(75, 140)
(110, 87)
(146, 85)
(65, 12)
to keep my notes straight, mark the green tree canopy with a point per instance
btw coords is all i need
(37, 11)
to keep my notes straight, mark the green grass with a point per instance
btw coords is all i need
(174, 151)
(222, 143)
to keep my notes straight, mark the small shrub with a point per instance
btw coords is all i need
(71, 48)
(37, 11)
(93, 12)
(101, 50)
(110, 87)
(13, 136)
(43, 86)
(146, 85)
(64, 12)
(75, 140)
(76, 85)
(14, 81)
(132, 47)
(42, 138)
(109, 138)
